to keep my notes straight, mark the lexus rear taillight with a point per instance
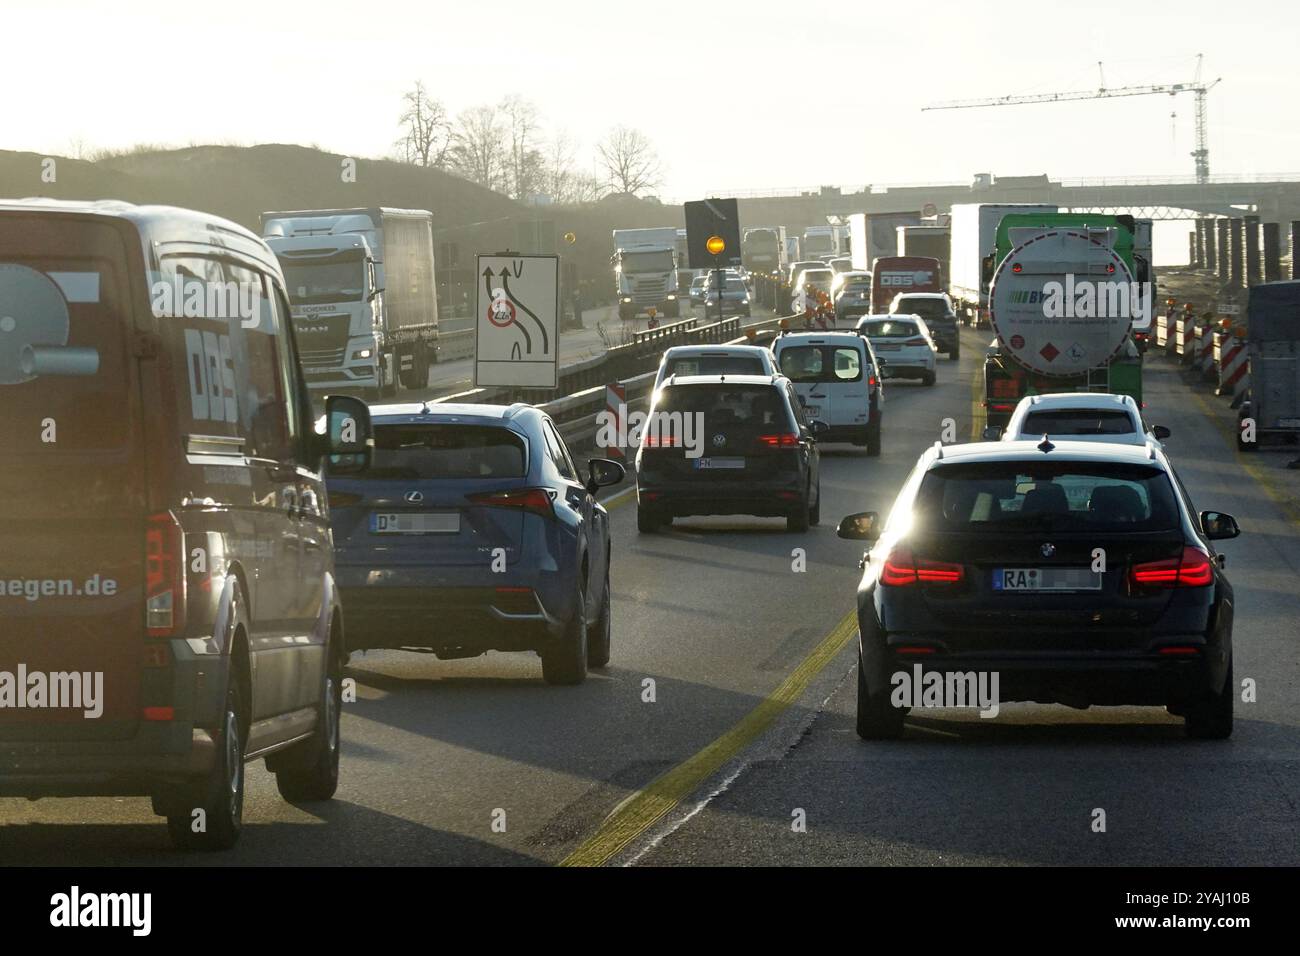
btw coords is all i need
(783, 440)
(903, 568)
(535, 500)
(341, 499)
(164, 575)
(1190, 570)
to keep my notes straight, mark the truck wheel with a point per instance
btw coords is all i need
(310, 770)
(418, 376)
(219, 795)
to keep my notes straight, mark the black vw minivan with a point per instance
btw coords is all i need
(168, 608)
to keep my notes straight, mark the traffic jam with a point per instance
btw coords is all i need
(372, 514)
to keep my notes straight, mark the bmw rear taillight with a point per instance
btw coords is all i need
(915, 341)
(535, 500)
(783, 440)
(164, 575)
(1192, 569)
(902, 568)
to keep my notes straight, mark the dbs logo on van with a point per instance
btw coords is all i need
(906, 279)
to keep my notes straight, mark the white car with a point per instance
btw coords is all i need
(1080, 416)
(836, 377)
(715, 360)
(904, 345)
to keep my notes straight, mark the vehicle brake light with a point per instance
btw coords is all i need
(915, 341)
(785, 440)
(164, 575)
(653, 440)
(535, 500)
(1191, 570)
(902, 568)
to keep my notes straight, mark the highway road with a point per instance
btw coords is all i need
(725, 719)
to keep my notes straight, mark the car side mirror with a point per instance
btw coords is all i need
(1161, 432)
(860, 526)
(1219, 526)
(602, 472)
(992, 433)
(818, 427)
(349, 435)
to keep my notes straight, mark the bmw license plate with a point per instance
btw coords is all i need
(714, 464)
(1046, 579)
(425, 522)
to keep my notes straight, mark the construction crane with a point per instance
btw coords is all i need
(1202, 152)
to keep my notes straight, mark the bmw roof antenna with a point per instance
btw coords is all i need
(1046, 444)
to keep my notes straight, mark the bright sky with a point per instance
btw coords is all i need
(741, 95)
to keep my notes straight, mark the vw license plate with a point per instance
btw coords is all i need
(1046, 579)
(429, 522)
(713, 464)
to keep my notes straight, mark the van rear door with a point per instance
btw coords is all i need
(73, 522)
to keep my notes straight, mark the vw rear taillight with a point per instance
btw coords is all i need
(1192, 569)
(164, 575)
(535, 500)
(902, 568)
(783, 440)
(652, 440)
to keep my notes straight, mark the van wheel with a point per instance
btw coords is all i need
(566, 661)
(873, 440)
(1209, 717)
(310, 770)
(598, 635)
(877, 719)
(219, 795)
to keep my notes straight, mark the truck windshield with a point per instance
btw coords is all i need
(317, 281)
(659, 261)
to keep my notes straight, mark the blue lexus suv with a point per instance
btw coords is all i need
(472, 530)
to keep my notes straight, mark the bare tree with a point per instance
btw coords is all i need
(427, 137)
(525, 167)
(629, 161)
(477, 152)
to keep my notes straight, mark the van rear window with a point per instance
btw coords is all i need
(821, 363)
(64, 325)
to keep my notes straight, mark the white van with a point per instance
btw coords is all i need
(837, 378)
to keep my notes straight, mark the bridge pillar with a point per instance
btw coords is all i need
(1198, 245)
(1272, 254)
(1193, 252)
(1295, 248)
(1225, 254)
(1237, 242)
(1211, 250)
(1253, 276)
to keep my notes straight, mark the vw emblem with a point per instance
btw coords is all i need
(414, 497)
(719, 440)
(1048, 549)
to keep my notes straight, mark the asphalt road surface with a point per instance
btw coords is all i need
(722, 732)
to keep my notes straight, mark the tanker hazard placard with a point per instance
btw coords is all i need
(517, 333)
(1063, 302)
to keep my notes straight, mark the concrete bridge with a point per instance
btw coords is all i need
(1273, 199)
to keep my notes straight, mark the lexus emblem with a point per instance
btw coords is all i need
(1048, 549)
(719, 440)
(414, 497)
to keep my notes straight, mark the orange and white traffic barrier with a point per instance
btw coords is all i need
(1234, 367)
(615, 408)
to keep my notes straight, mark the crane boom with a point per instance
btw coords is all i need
(1201, 154)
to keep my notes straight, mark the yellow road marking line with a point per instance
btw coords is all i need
(646, 807)
(976, 403)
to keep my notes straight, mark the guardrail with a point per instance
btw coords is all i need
(455, 345)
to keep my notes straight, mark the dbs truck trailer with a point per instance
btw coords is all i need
(974, 232)
(874, 235)
(932, 241)
(893, 275)
(362, 292)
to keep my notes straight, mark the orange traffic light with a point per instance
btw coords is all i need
(716, 245)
